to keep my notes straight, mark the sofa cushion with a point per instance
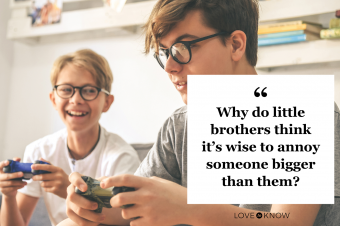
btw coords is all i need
(142, 149)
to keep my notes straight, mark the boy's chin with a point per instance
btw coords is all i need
(77, 128)
(184, 98)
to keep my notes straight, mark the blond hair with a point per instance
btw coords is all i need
(222, 15)
(89, 60)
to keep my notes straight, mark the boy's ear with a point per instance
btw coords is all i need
(238, 42)
(108, 101)
(52, 98)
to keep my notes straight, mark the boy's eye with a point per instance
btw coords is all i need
(89, 91)
(65, 90)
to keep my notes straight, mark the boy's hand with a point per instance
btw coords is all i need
(9, 187)
(156, 201)
(80, 209)
(55, 182)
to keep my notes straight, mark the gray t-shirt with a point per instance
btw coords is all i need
(168, 159)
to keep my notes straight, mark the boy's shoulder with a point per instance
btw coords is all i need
(114, 142)
(49, 141)
(180, 111)
(178, 117)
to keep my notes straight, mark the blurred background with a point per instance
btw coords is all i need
(30, 41)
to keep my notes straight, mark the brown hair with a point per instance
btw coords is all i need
(222, 15)
(89, 60)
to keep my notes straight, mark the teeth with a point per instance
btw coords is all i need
(182, 83)
(77, 113)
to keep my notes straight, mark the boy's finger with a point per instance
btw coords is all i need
(44, 167)
(131, 212)
(125, 198)
(47, 184)
(3, 164)
(77, 181)
(17, 159)
(102, 178)
(49, 189)
(9, 176)
(10, 189)
(126, 180)
(42, 159)
(13, 183)
(79, 200)
(44, 177)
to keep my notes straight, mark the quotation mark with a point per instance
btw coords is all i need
(263, 93)
(259, 215)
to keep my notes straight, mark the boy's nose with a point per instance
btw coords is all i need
(76, 98)
(171, 66)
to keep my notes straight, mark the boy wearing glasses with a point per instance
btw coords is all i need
(81, 93)
(189, 37)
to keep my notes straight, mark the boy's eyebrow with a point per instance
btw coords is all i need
(180, 38)
(87, 84)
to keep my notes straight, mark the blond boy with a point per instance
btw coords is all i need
(81, 93)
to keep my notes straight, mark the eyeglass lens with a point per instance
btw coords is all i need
(87, 92)
(178, 51)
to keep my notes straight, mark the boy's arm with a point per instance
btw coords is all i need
(161, 202)
(17, 210)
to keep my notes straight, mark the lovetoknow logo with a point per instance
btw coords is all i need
(259, 215)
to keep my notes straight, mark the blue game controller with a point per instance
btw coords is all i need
(14, 167)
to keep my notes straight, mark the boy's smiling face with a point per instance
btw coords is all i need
(209, 57)
(78, 114)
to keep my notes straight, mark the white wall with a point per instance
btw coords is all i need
(5, 70)
(144, 95)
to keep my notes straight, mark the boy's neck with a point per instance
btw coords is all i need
(80, 144)
(242, 67)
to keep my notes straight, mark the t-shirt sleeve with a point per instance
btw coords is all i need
(33, 187)
(126, 163)
(161, 160)
(336, 150)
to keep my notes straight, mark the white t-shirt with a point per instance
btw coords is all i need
(112, 156)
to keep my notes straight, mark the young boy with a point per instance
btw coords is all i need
(229, 46)
(81, 93)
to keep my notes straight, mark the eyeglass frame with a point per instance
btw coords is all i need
(187, 45)
(80, 88)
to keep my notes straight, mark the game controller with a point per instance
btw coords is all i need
(14, 167)
(99, 195)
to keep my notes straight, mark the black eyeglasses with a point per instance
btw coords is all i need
(181, 51)
(87, 92)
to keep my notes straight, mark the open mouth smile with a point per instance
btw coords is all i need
(77, 113)
(180, 85)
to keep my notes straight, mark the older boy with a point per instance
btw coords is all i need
(81, 93)
(189, 37)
